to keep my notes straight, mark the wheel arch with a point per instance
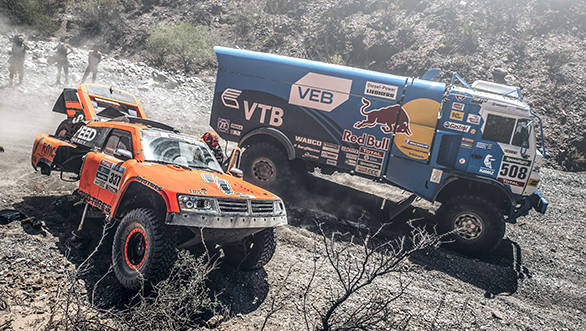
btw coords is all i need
(138, 195)
(488, 189)
(269, 135)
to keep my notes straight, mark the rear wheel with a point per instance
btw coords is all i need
(253, 252)
(265, 165)
(475, 225)
(142, 249)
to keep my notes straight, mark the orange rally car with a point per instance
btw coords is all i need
(165, 189)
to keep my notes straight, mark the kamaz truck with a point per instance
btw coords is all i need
(471, 148)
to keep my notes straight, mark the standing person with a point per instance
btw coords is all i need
(63, 50)
(94, 58)
(16, 60)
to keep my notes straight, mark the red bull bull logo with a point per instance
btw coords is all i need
(391, 119)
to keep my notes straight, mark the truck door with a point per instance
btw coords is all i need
(103, 171)
(504, 151)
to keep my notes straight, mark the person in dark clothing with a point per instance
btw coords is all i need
(94, 58)
(213, 142)
(63, 50)
(16, 60)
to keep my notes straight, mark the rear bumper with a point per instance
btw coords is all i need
(225, 221)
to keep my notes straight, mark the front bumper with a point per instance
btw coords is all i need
(535, 201)
(225, 221)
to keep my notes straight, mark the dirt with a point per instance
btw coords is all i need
(535, 279)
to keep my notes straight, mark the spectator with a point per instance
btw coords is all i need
(63, 50)
(16, 60)
(94, 58)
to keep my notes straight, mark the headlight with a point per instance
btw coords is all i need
(279, 207)
(197, 204)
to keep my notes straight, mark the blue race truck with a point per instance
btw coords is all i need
(470, 147)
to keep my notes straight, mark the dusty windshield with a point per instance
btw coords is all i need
(170, 148)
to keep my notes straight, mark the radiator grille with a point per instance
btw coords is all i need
(262, 207)
(233, 206)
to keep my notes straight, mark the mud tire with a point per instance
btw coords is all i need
(159, 249)
(482, 220)
(253, 252)
(265, 165)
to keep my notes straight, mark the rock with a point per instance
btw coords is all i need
(214, 321)
(499, 75)
(496, 315)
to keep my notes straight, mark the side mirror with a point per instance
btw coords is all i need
(123, 154)
(236, 172)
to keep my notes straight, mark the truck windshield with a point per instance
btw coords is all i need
(182, 150)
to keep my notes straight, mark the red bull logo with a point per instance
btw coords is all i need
(391, 119)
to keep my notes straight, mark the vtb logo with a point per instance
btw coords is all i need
(391, 119)
(267, 114)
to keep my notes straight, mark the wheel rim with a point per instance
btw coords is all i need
(468, 225)
(264, 170)
(135, 248)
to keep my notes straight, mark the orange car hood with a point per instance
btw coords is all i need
(174, 179)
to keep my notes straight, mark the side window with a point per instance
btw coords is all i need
(521, 135)
(118, 140)
(498, 128)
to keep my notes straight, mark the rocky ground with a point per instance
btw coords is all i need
(535, 280)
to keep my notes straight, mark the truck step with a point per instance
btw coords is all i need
(401, 206)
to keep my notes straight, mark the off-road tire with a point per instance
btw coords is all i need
(471, 211)
(253, 252)
(266, 156)
(159, 252)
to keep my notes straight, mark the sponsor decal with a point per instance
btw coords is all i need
(307, 148)
(473, 131)
(516, 160)
(308, 155)
(308, 141)
(482, 145)
(99, 204)
(473, 119)
(109, 176)
(331, 162)
(236, 126)
(459, 97)
(462, 160)
(230, 98)
(371, 158)
(457, 115)
(511, 182)
(148, 183)
(381, 90)
(467, 140)
(456, 126)
(334, 148)
(436, 176)
(488, 160)
(458, 106)
(479, 100)
(366, 140)
(510, 151)
(208, 178)
(224, 186)
(48, 150)
(203, 191)
(486, 171)
(373, 152)
(235, 132)
(274, 119)
(369, 165)
(466, 145)
(328, 155)
(533, 182)
(352, 156)
(416, 144)
(351, 163)
(223, 124)
(247, 196)
(349, 150)
(391, 119)
(367, 171)
(320, 92)
(86, 133)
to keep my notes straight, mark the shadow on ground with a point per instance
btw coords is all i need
(341, 208)
(241, 292)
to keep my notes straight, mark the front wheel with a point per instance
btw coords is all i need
(253, 252)
(474, 225)
(142, 250)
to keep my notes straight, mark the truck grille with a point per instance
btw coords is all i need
(262, 207)
(233, 206)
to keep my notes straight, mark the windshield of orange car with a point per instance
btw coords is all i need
(170, 148)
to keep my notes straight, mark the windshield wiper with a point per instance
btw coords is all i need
(167, 162)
